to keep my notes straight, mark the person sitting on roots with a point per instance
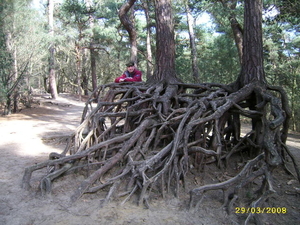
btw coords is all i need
(130, 75)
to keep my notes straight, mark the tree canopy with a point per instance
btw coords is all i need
(215, 43)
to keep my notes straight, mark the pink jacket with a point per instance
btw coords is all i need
(135, 76)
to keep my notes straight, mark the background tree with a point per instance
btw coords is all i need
(231, 7)
(5, 61)
(190, 22)
(147, 6)
(77, 13)
(21, 36)
(52, 80)
(128, 23)
(282, 50)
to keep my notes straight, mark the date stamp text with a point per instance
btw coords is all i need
(260, 210)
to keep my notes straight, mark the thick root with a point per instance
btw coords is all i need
(138, 139)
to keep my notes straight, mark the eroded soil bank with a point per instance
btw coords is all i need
(30, 135)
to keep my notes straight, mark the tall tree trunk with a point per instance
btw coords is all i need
(15, 71)
(165, 43)
(128, 23)
(84, 75)
(93, 68)
(52, 81)
(252, 62)
(13, 50)
(10, 79)
(190, 21)
(235, 26)
(93, 53)
(149, 50)
(238, 35)
(78, 67)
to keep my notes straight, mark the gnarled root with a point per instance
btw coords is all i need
(141, 140)
(242, 178)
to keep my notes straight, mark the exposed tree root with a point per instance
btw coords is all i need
(241, 179)
(141, 139)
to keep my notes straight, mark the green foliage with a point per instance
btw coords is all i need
(5, 57)
(5, 64)
(282, 62)
(217, 54)
(22, 48)
(220, 62)
(183, 60)
(289, 12)
(98, 23)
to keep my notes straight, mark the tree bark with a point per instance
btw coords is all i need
(93, 53)
(149, 50)
(78, 51)
(235, 26)
(85, 77)
(14, 69)
(238, 35)
(129, 26)
(165, 43)
(52, 80)
(252, 62)
(93, 68)
(190, 22)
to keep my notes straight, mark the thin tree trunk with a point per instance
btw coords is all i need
(238, 35)
(235, 26)
(190, 21)
(52, 81)
(78, 68)
(129, 26)
(12, 48)
(134, 49)
(84, 75)
(15, 70)
(93, 53)
(93, 68)
(149, 50)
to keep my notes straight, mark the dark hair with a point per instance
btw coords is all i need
(130, 64)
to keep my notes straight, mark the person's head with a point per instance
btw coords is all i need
(130, 67)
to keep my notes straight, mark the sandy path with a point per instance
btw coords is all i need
(25, 140)
(22, 145)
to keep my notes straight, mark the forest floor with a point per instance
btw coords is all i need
(29, 136)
